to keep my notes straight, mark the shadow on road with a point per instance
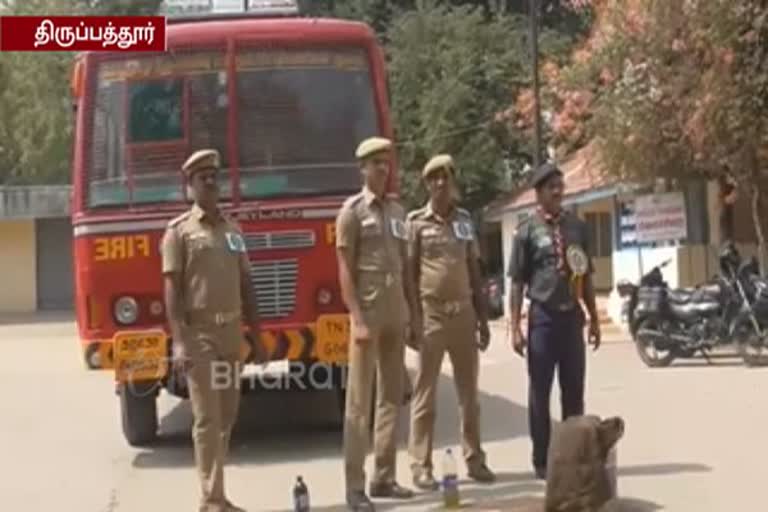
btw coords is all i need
(473, 497)
(721, 362)
(287, 426)
(520, 496)
(662, 469)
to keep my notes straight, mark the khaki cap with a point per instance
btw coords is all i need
(438, 162)
(201, 159)
(371, 146)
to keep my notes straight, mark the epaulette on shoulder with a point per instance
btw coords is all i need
(418, 212)
(352, 200)
(178, 220)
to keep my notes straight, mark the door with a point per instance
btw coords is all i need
(55, 281)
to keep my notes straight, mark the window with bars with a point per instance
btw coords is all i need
(149, 113)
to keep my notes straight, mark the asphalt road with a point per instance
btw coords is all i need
(695, 436)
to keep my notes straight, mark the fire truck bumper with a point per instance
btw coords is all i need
(145, 354)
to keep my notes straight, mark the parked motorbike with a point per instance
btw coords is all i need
(750, 330)
(667, 324)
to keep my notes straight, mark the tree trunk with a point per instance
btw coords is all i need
(756, 218)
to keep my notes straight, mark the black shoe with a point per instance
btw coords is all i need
(390, 490)
(541, 472)
(358, 501)
(481, 473)
(424, 480)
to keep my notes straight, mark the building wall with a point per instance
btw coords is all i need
(602, 240)
(17, 266)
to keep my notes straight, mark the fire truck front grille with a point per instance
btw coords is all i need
(280, 240)
(274, 282)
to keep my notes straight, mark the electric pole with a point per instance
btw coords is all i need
(533, 7)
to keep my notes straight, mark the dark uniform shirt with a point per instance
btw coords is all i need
(534, 259)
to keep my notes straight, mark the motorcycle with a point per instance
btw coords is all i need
(667, 324)
(750, 330)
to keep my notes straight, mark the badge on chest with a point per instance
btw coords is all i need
(397, 227)
(235, 242)
(463, 230)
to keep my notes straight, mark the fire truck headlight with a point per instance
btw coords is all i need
(126, 310)
(324, 296)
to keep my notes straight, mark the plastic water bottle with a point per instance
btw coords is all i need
(450, 481)
(300, 496)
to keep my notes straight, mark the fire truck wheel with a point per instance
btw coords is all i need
(138, 410)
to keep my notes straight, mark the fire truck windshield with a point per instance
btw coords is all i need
(299, 115)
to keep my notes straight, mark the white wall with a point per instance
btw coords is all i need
(17, 267)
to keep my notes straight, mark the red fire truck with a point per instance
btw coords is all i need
(285, 99)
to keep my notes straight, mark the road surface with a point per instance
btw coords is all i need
(695, 435)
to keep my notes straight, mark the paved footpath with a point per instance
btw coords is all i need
(695, 437)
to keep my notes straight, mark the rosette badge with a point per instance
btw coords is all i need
(578, 262)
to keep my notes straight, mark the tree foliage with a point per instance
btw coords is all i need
(670, 90)
(35, 107)
(453, 65)
(450, 73)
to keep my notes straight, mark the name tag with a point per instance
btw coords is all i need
(235, 242)
(463, 230)
(398, 228)
(368, 221)
(429, 232)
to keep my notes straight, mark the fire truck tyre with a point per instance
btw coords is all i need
(138, 410)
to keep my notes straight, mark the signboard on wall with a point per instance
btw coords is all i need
(660, 217)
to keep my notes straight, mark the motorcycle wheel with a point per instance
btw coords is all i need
(754, 351)
(646, 348)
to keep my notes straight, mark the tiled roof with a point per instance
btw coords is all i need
(581, 173)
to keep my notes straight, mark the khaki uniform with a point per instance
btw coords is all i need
(443, 249)
(374, 231)
(206, 252)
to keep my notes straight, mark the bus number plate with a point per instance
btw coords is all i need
(332, 338)
(140, 356)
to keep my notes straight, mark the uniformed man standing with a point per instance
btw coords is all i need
(371, 245)
(207, 293)
(550, 260)
(443, 254)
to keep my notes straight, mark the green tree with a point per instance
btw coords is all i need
(35, 107)
(677, 91)
(452, 70)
